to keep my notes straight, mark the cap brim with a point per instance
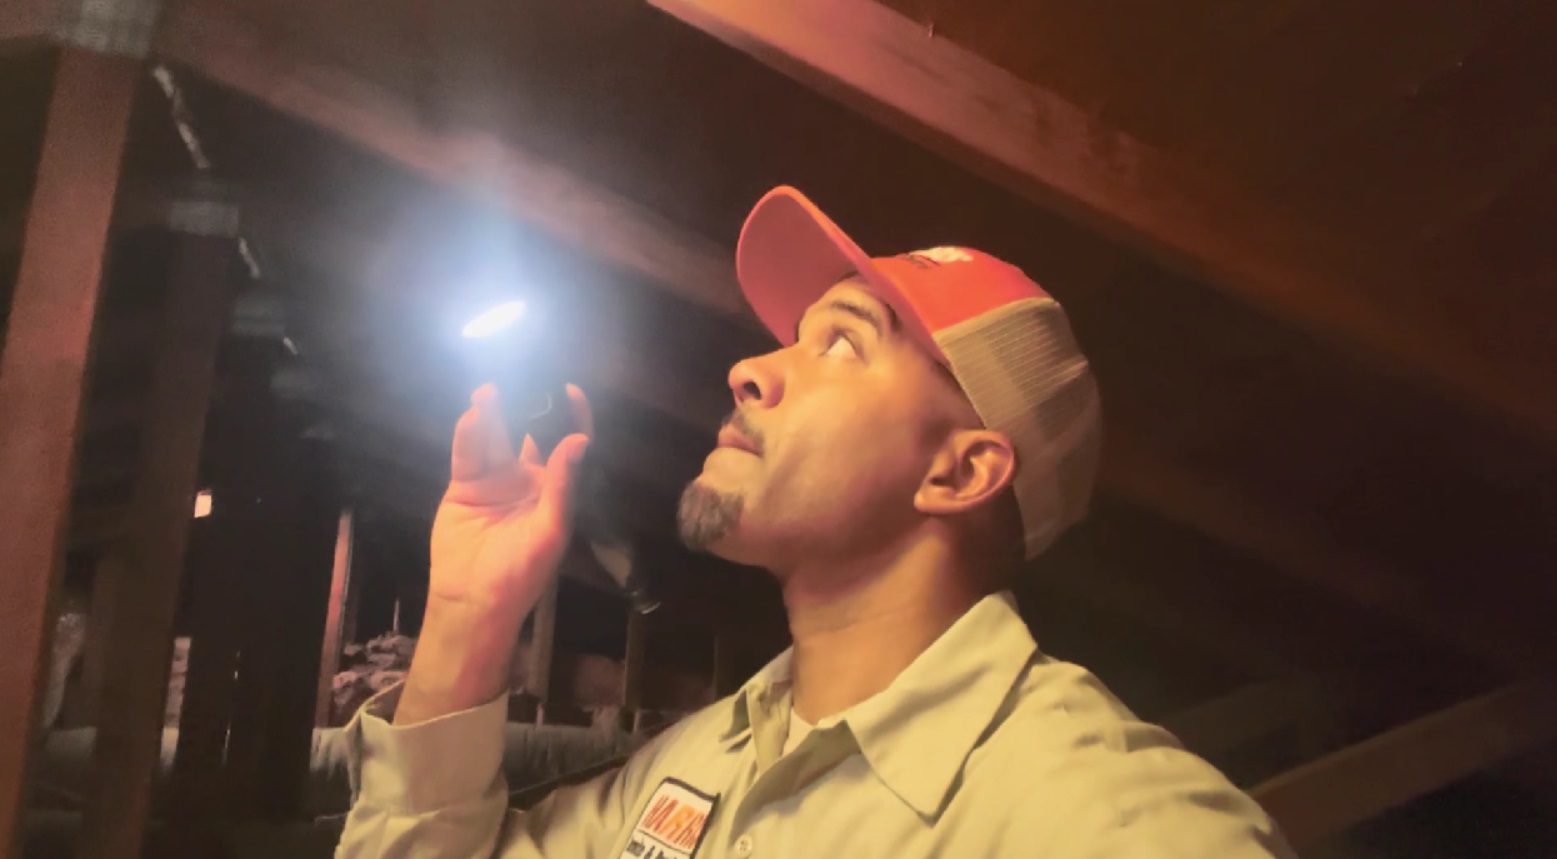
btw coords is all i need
(790, 253)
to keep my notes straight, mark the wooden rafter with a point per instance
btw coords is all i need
(1340, 790)
(1220, 726)
(214, 40)
(26, 20)
(285, 75)
(41, 379)
(1056, 153)
(1284, 539)
(340, 619)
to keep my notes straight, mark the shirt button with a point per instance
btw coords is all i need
(743, 845)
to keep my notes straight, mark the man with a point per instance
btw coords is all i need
(928, 423)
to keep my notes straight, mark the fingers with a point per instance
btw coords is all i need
(583, 415)
(482, 446)
(494, 428)
(529, 454)
(559, 484)
(480, 438)
(468, 460)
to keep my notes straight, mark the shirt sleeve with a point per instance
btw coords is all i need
(1218, 821)
(435, 790)
(1165, 803)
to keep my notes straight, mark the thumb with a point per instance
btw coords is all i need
(560, 483)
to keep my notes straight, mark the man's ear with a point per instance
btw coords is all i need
(970, 469)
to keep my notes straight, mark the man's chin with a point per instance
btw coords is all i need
(707, 519)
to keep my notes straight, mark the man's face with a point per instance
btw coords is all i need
(829, 441)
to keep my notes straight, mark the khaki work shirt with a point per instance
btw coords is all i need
(983, 746)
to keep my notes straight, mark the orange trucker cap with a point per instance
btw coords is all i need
(1007, 342)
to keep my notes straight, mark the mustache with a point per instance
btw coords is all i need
(743, 425)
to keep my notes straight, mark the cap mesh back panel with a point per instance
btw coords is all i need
(1026, 377)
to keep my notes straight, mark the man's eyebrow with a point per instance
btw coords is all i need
(860, 311)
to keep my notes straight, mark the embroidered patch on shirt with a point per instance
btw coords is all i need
(672, 823)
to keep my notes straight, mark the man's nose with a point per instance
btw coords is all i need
(757, 381)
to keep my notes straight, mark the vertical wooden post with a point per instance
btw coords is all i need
(194, 801)
(302, 597)
(633, 667)
(288, 545)
(543, 637)
(221, 548)
(145, 590)
(337, 621)
(41, 373)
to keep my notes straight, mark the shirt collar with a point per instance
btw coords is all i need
(917, 733)
(763, 689)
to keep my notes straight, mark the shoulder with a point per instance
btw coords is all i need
(1062, 725)
(1082, 770)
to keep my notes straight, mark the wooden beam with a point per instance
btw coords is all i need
(337, 620)
(27, 21)
(221, 573)
(633, 664)
(41, 376)
(217, 41)
(1058, 154)
(290, 553)
(146, 586)
(1340, 790)
(1076, 575)
(1258, 710)
(1284, 540)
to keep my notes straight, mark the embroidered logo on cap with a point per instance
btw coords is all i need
(672, 823)
(941, 255)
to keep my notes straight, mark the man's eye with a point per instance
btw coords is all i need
(839, 345)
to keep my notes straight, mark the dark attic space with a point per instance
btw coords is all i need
(1190, 491)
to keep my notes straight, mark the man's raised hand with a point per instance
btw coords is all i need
(505, 520)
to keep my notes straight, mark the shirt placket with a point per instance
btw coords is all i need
(777, 778)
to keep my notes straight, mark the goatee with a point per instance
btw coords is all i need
(705, 515)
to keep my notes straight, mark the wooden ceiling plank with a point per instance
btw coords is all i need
(1340, 790)
(1373, 87)
(1456, 137)
(1507, 240)
(1192, 64)
(1476, 132)
(1310, 86)
(1057, 154)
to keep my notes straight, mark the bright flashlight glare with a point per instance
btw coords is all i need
(493, 320)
